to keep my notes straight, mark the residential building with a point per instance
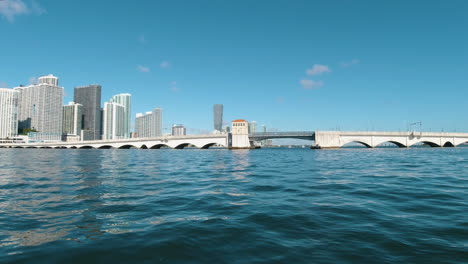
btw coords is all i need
(72, 119)
(113, 121)
(144, 125)
(8, 113)
(90, 98)
(149, 124)
(40, 109)
(124, 99)
(179, 130)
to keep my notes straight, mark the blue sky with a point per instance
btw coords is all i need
(291, 65)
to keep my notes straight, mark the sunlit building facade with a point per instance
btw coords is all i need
(113, 121)
(40, 108)
(125, 100)
(8, 113)
(72, 119)
(149, 124)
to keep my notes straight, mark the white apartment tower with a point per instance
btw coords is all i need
(124, 99)
(179, 130)
(72, 119)
(114, 121)
(149, 124)
(8, 113)
(40, 108)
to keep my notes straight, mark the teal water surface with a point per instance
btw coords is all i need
(221, 206)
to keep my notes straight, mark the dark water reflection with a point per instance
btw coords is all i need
(219, 206)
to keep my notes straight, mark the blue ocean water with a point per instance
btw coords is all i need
(221, 206)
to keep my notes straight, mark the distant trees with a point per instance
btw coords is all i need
(25, 131)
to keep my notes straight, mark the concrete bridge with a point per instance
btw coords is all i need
(323, 140)
(180, 142)
(337, 139)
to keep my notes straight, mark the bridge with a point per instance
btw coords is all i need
(337, 139)
(175, 142)
(323, 140)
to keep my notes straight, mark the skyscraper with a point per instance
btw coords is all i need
(90, 98)
(72, 119)
(149, 124)
(113, 121)
(40, 108)
(157, 121)
(252, 127)
(218, 117)
(144, 125)
(8, 113)
(125, 99)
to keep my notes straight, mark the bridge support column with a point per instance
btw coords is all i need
(327, 140)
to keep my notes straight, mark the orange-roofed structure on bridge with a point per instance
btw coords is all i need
(240, 134)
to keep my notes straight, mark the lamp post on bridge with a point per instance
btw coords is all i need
(414, 124)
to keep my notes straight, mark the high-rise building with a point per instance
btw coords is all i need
(49, 79)
(179, 130)
(8, 113)
(90, 98)
(72, 119)
(125, 99)
(218, 117)
(113, 121)
(143, 125)
(157, 121)
(40, 108)
(252, 127)
(149, 124)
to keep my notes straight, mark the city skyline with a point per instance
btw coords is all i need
(343, 73)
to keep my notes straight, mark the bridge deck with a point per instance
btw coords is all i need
(308, 135)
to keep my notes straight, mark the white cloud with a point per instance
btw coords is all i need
(311, 84)
(318, 69)
(165, 64)
(9, 9)
(346, 64)
(174, 87)
(143, 68)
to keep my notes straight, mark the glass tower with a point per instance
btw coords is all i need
(90, 99)
(218, 117)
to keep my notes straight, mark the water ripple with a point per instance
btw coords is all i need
(219, 206)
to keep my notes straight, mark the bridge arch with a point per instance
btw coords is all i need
(448, 144)
(105, 147)
(182, 146)
(356, 142)
(86, 147)
(360, 140)
(207, 146)
(158, 146)
(128, 146)
(429, 143)
(143, 147)
(396, 143)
